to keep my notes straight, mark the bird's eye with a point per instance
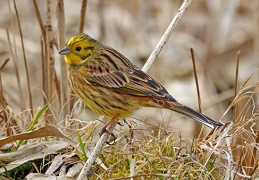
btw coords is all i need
(78, 48)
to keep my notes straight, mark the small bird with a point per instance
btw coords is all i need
(111, 85)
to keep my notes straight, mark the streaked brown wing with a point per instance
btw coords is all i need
(110, 80)
(112, 70)
(107, 70)
(141, 84)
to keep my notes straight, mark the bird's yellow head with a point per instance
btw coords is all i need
(79, 49)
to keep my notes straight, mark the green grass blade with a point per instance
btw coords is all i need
(82, 146)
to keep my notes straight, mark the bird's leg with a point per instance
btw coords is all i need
(104, 129)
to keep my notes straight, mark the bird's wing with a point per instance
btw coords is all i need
(119, 74)
(142, 84)
(106, 70)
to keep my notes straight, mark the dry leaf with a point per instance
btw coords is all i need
(47, 130)
(30, 153)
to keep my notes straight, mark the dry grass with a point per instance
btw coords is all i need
(154, 145)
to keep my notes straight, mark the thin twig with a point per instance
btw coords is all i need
(82, 17)
(2, 99)
(3, 103)
(105, 136)
(44, 69)
(196, 80)
(166, 35)
(24, 59)
(3, 64)
(236, 87)
(100, 9)
(97, 149)
(37, 11)
(199, 127)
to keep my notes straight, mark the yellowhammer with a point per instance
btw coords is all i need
(110, 85)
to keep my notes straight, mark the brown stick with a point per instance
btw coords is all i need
(196, 80)
(82, 18)
(198, 126)
(236, 87)
(49, 56)
(37, 11)
(64, 93)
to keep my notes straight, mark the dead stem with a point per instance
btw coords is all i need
(64, 89)
(37, 11)
(198, 126)
(236, 86)
(82, 17)
(49, 57)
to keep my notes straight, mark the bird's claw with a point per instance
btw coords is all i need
(119, 123)
(104, 130)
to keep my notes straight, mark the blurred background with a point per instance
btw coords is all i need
(216, 30)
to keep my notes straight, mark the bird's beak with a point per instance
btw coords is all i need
(64, 51)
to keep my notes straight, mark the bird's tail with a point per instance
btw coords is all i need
(186, 111)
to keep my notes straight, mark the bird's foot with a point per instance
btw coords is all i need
(119, 123)
(104, 130)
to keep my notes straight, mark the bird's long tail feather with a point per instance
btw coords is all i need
(184, 110)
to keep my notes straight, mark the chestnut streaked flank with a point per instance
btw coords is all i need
(110, 85)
